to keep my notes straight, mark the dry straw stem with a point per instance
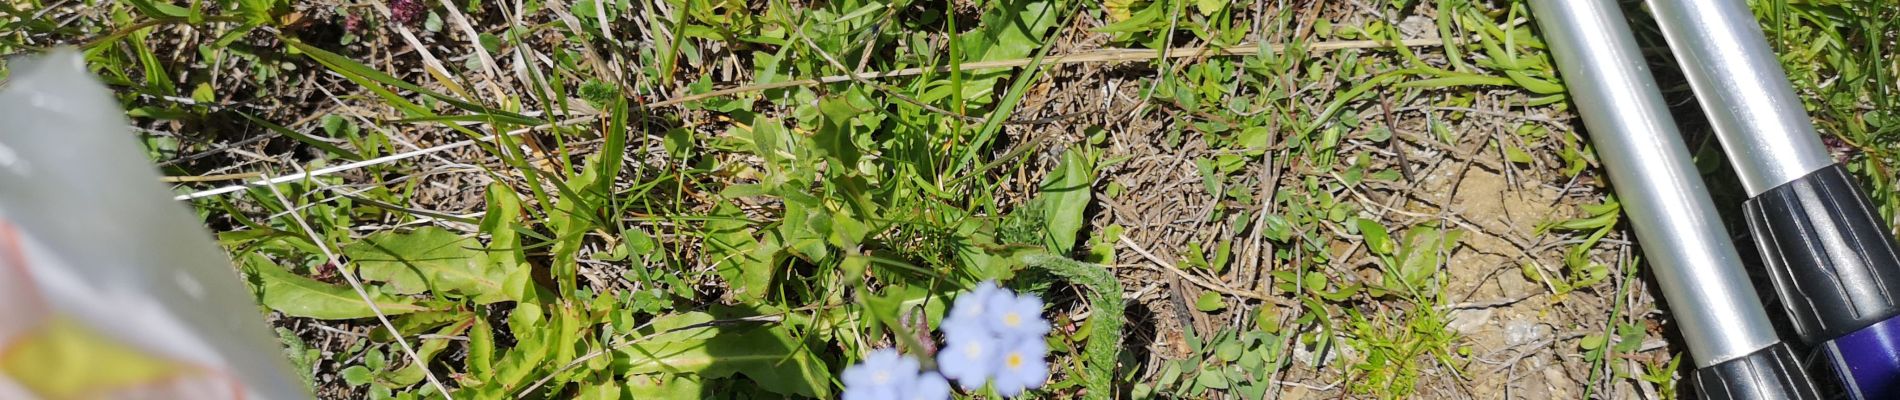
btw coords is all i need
(210, 178)
(1094, 56)
(271, 181)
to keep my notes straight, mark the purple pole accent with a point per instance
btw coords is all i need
(1868, 360)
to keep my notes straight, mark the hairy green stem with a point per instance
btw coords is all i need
(1105, 303)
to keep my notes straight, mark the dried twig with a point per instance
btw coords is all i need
(1392, 129)
(1197, 281)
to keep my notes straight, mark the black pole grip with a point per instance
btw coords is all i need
(1769, 373)
(1831, 258)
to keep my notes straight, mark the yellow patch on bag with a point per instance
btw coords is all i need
(64, 359)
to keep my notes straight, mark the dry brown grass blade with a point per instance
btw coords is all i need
(495, 78)
(1095, 56)
(430, 63)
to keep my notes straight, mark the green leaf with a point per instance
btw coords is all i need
(156, 79)
(1195, 257)
(1209, 302)
(531, 346)
(481, 347)
(204, 94)
(1629, 338)
(1535, 85)
(1255, 138)
(573, 217)
(1229, 351)
(374, 360)
(1314, 281)
(418, 323)
(1222, 252)
(1591, 342)
(1011, 29)
(429, 259)
(1142, 391)
(836, 137)
(769, 355)
(1211, 378)
(1278, 229)
(1517, 155)
(1210, 178)
(1424, 245)
(1064, 195)
(678, 143)
(1598, 220)
(664, 387)
(412, 373)
(1379, 134)
(884, 311)
(356, 375)
(1376, 239)
(1126, 22)
(1170, 373)
(297, 296)
(1208, 7)
(737, 256)
(257, 12)
(504, 242)
(159, 9)
(1454, 81)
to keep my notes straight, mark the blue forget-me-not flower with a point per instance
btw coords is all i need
(968, 358)
(1020, 366)
(967, 312)
(997, 337)
(1016, 316)
(928, 386)
(887, 375)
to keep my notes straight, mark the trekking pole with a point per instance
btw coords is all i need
(1830, 256)
(1736, 352)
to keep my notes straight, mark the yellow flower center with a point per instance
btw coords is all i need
(1015, 360)
(1012, 319)
(881, 376)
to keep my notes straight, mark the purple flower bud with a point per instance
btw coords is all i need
(407, 12)
(352, 22)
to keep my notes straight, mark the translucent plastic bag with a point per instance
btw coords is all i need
(108, 288)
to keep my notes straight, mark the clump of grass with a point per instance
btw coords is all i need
(684, 199)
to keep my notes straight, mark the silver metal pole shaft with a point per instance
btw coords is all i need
(1742, 88)
(1689, 252)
